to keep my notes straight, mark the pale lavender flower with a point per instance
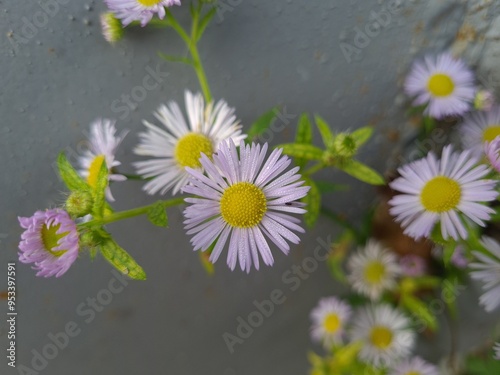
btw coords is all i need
(459, 259)
(484, 100)
(139, 10)
(444, 83)
(103, 144)
(496, 349)
(442, 191)
(414, 366)
(50, 242)
(329, 320)
(412, 265)
(478, 128)
(244, 199)
(492, 151)
(486, 268)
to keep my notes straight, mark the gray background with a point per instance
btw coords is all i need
(259, 54)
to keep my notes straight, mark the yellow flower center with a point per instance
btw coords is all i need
(189, 148)
(243, 205)
(381, 337)
(414, 373)
(149, 3)
(374, 272)
(441, 194)
(331, 324)
(440, 85)
(94, 169)
(50, 239)
(491, 132)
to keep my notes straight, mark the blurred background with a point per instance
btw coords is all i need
(328, 57)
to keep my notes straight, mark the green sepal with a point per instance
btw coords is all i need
(313, 202)
(308, 152)
(121, 260)
(362, 172)
(324, 129)
(99, 192)
(69, 175)
(204, 22)
(419, 311)
(261, 124)
(157, 215)
(362, 135)
(93, 252)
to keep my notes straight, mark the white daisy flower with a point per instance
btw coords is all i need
(139, 10)
(384, 333)
(414, 366)
(442, 191)
(487, 269)
(373, 270)
(103, 145)
(329, 319)
(444, 83)
(244, 199)
(496, 349)
(181, 145)
(480, 127)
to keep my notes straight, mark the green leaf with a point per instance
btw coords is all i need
(303, 136)
(362, 135)
(121, 260)
(308, 152)
(313, 202)
(205, 21)
(448, 251)
(157, 214)
(419, 311)
(69, 175)
(176, 59)
(99, 192)
(483, 366)
(429, 124)
(330, 187)
(261, 124)
(324, 129)
(362, 172)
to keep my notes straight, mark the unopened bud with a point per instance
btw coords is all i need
(79, 203)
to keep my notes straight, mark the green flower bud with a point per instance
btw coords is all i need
(79, 203)
(344, 146)
(112, 28)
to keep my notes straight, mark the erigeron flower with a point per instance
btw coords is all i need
(384, 333)
(442, 191)
(103, 143)
(486, 268)
(412, 265)
(50, 242)
(329, 319)
(478, 128)
(496, 349)
(414, 366)
(492, 151)
(244, 199)
(182, 144)
(139, 10)
(111, 27)
(444, 83)
(373, 270)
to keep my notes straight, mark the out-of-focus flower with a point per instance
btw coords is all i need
(414, 366)
(484, 100)
(478, 128)
(412, 265)
(329, 319)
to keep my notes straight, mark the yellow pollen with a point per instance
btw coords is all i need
(441, 194)
(149, 3)
(189, 148)
(440, 85)
(331, 324)
(50, 239)
(374, 272)
(381, 337)
(243, 205)
(94, 169)
(491, 132)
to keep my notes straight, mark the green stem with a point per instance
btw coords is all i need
(343, 222)
(314, 169)
(192, 44)
(117, 216)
